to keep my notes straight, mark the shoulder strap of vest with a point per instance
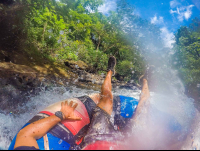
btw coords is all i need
(46, 142)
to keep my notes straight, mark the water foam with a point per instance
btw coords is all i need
(10, 124)
(165, 121)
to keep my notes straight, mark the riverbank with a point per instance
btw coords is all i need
(27, 70)
(23, 74)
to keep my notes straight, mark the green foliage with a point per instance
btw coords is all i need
(93, 5)
(67, 30)
(125, 68)
(187, 53)
(97, 59)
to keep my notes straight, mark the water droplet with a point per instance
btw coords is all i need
(111, 148)
(76, 66)
(50, 30)
(61, 32)
(60, 141)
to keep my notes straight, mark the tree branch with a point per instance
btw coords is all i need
(99, 42)
(109, 48)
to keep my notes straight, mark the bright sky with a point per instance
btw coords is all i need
(169, 15)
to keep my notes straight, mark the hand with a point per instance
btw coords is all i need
(68, 110)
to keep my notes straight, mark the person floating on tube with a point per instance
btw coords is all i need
(89, 122)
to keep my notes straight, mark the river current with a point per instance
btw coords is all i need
(164, 121)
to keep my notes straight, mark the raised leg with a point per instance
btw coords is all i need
(145, 91)
(106, 97)
(144, 96)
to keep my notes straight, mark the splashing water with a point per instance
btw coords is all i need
(168, 118)
(193, 139)
(10, 124)
(165, 122)
(162, 124)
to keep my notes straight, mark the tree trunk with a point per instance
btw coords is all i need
(99, 43)
(45, 26)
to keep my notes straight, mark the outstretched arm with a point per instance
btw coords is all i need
(28, 135)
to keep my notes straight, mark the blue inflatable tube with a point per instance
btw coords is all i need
(128, 106)
(127, 109)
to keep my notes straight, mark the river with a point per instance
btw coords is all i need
(166, 121)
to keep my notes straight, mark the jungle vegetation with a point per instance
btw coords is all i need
(186, 57)
(75, 30)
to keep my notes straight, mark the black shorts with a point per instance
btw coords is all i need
(120, 121)
(89, 104)
(26, 148)
(102, 128)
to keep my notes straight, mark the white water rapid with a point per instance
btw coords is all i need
(167, 120)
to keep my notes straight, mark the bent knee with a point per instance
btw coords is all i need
(107, 96)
